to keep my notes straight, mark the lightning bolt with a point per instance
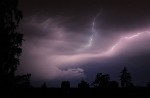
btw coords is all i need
(93, 31)
(127, 38)
(114, 46)
(90, 42)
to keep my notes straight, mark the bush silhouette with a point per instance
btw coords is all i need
(101, 80)
(83, 85)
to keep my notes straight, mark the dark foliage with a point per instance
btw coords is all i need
(101, 80)
(83, 85)
(125, 78)
(10, 45)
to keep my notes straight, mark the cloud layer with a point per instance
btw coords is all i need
(54, 35)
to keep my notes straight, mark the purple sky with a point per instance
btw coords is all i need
(61, 42)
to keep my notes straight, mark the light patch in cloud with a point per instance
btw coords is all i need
(72, 73)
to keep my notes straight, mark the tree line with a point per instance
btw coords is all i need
(103, 81)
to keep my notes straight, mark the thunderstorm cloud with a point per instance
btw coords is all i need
(60, 43)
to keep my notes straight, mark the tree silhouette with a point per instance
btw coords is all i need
(83, 85)
(125, 78)
(23, 80)
(101, 80)
(10, 43)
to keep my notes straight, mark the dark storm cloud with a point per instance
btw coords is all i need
(57, 38)
(78, 13)
(116, 15)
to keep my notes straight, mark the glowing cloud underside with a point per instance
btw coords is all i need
(67, 59)
(112, 50)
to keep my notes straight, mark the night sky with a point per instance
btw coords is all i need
(74, 40)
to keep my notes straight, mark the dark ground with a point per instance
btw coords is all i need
(76, 93)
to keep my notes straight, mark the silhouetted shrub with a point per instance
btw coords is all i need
(83, 85)
(101, 81)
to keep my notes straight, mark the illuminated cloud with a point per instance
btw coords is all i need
(66, 43)
(51, 52)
